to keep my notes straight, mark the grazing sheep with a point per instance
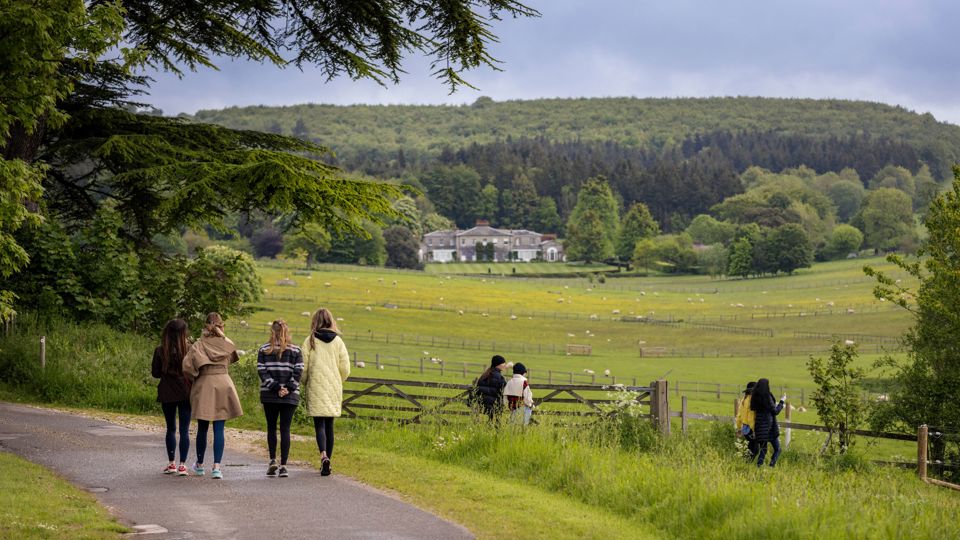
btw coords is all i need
(394, 284)
(559, 300)
(689, 299)
(593, 316)
(459, 312)
(381, 368)
(616, 312)
(818, 299)
(484, 315)
(305, 313)
(570, 335)
(513, 317)
(326, 284)
(850, 311)
(360, 364)
(642, 293)
(801, 409)
(588, 371)
(368, 308)
(739, 305)
(848, 342)
(701, 300)
(244, 324)
(606, 372)
(830, 303)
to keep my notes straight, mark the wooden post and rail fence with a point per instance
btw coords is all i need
(425, 401)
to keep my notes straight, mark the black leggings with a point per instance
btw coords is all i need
(170, 415)
(284, 412)
(323, 425)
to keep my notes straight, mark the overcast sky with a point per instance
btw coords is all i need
(901, 52)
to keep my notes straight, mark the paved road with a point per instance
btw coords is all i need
(245, 505)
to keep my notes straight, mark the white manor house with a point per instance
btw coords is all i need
(486, 243)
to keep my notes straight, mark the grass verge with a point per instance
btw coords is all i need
(37, 504)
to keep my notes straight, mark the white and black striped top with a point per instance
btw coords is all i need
(280, 372)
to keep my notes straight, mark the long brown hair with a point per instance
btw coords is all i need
(213, 325)
(322, 319)
(173, 345)
(279, 337)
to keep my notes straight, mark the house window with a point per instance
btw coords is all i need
(429, 242)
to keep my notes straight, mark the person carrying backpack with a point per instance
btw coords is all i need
(489, 387)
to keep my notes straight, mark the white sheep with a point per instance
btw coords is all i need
(360, 364)
(642, 293)
(739, 305)
(588, 371)
(570, 335)
(368, 308)
(459, 312)
(244, 324)
(593, 316)
(616, 312)
(305, 313)
(513, 317)
(326, 284)
(339, 319)
(606, 372)
(850, 311)
(848, 342)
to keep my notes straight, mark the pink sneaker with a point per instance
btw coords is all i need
(170, 469)
(182, 470)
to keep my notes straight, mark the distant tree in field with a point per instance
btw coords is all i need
(844, 239)
(219, 279)
(595, 197)
(714, 260)
(741, 258)
(637, 223)
(838, 397)
(704, 229)
(676, 250)
(456, 193)
(645, 254)
(267, 242)
(926, 385)
(435, 222)
(402, 248)
(587, 239)
(927, 190)
(488, 206)
(894, 177)
(886, 218)
(410, 219)
(789, 248)
(546, 219)
(846, 196)
(523, 203)
(313, 240)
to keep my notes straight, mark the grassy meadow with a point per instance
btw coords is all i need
(599, 480)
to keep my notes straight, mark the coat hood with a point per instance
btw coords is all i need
(325, 335)
(217, 347)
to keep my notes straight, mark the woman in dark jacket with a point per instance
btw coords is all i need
(490, 385)
(172, 390)
(765, 425)
(280, 365)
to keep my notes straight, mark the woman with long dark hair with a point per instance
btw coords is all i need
(765, 425)
(326, 366)
(173, 393)
(489, 387)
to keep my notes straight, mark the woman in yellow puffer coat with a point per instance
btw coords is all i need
(326, 365)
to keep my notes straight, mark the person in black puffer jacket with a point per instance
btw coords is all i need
(489, 387)
(765, 425)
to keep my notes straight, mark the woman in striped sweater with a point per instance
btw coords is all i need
(279, 364)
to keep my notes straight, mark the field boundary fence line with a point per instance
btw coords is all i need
(857, 338)
(615, 315)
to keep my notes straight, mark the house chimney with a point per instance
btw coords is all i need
(483, 223)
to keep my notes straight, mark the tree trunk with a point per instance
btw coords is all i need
(23, 145)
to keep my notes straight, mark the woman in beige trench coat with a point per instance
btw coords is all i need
(326, 365)
(213, 397)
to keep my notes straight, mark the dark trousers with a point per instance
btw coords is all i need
(170, 415)
(218, 442)
(753, 447)
(323, 426)
(283, 412)
(763, 451)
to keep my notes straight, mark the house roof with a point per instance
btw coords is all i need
(441, 233)
(483, 230)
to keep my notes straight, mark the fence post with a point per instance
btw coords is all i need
(683, 415)
(803, 401)
(718, 391)
(421, 365)
(789, 416)
(43, 352)
(464, 370)
(736, 410)
(660, 406)
(922, 452)
(378, 361)
(549, 376)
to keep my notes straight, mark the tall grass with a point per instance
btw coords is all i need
(694, 487)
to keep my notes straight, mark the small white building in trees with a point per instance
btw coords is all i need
(486, 243)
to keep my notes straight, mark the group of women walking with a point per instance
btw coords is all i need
(195, 384)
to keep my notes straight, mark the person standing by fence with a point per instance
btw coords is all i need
(519, 396)
(326, 366)
(173, 391)
(213, 397)
(279, 365)
(765, 424)
(745, 421)
(489, 387)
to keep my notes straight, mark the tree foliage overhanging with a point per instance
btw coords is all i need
(70, 126)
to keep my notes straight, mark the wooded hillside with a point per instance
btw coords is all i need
(365, 133)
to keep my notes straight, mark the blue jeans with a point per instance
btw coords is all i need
(763, 451)
(218, 441)
(170, 415)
